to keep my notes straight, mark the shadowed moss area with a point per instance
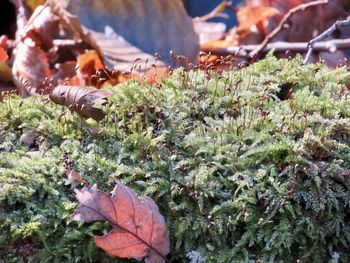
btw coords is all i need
(250, 165)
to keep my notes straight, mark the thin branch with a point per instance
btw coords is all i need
(69, 44)
(243, 51)
(281, 25)
(312, 44)
(215, 12)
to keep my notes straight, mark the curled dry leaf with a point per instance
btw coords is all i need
(81, 100)
(139, 230)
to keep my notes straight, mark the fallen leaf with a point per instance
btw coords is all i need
(29, 139)
(72, 175)
(5, 73)
(87, 65)
(139, 230)
(30, 69)
(31, 66)
(127, 29)
(3, 41)
(81, 100)
(3, 55)
(89, 62)
(65, 71)
(76, 177)
(72, 24)
(249, 16)
(107, 78)
(32, 4)
(42, 27)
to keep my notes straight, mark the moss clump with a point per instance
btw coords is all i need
(250, 165)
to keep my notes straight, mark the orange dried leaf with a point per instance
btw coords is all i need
(212, 44)
(76, 177)
(107, 78)
(3, 55)
(89, 62)
(249, 15)
(139, 230)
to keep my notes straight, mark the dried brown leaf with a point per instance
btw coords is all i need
(139, 230)
(42, 27)
(5, 72)
(76, 177)
(64, 71)
(30, 69)
(81, 99)
(127, 29)
(72, 23)
(31, 64)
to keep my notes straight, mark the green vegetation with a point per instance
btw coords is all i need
(251, 165)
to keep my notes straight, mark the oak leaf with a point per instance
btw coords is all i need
(139, 230)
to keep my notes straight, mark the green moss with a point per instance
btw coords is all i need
(251, 165)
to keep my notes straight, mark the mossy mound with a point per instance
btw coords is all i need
(250, 165)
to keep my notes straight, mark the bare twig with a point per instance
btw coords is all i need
(70, 44)
(243, 51)
(280, 26)
(311, 45)
(215, 12)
